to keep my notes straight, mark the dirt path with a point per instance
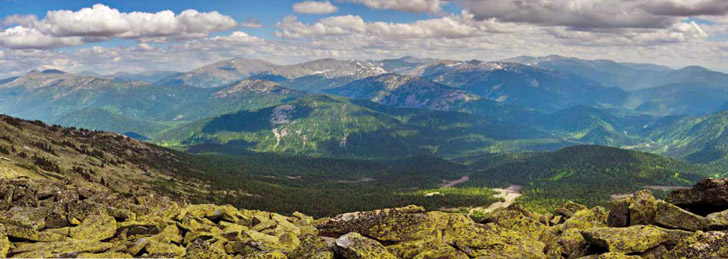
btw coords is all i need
(448, 184)
(509, 196)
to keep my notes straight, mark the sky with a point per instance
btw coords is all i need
(136, 36)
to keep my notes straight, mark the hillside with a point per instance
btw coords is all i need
(405, 91)
(587, 174)
(333, 126)
(219, 74)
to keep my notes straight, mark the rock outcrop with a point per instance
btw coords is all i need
(47, 219)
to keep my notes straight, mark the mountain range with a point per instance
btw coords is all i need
(391, 108)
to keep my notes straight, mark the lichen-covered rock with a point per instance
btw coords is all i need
(707, 196)
(105, 255)
(633, 239)
(713, 244)
(59, 249)
(718, 220)
(444, 253)
(410, 249)
(155, 249)
(204, 250)
(95, 227)
(312, 247)
(569, 208)
(391, 225)
(29, 234)
(478, 240)
(570, 244)
(590, 218)
(4, 242)
(619, 213)
(617, 256)
(642, 208)
(672, 216)
(355, 246)
(517, 218)
(266, 255)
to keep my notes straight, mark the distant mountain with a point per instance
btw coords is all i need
(319, 75)
(103, 120)
(405, 91)
(53, 96)
(628, 76)
(406, 65)
(219, 74)
(702, 140)
(695, 99)
(524, 85)
(333, 126)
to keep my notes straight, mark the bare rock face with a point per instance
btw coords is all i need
(708, 196)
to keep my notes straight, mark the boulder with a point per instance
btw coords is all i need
(633, 239)
(517, 218)
(4, 242)
(642, 208)
(410, 249)
(200, 249)
(570, 244)
(66, 248)
(707, 196)
(390, 225)
(266, 255)
(95, 227)
(478, 240)
(584, 219)
(312, 247)
(355, 246)
(105, 255)
(672, 216)
(569, 208)
(619, 213)
(718, 220)
(712, 244)
(30, 234)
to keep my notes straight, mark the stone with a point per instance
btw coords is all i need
(105, 255)
(388, 225)
(157, 249)
(59, 249)
(478, 240)
(355, 246)
(585, 219)
(570, 244)
(200, 249)
(312, 247)
(707, 196)
(633, 239)
(619, 213)
(4, 242)
(569, 208)
(95, 227)
(672, 216)
(516, 218)
(30, 234)
(266, 255)
(718, 220)
(642, 208)
(713, 244)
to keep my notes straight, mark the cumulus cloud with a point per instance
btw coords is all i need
(445, 27)
(19, 37)
(100, 22)
(414, 6)
(314, 7)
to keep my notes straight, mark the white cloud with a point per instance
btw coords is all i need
(314, 7)
(100, 23)
(445, 27)
(414, 6)
(19, 37)
(335, 25)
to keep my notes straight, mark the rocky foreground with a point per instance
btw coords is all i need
(45, 218)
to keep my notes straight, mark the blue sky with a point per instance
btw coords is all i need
(108, 36)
